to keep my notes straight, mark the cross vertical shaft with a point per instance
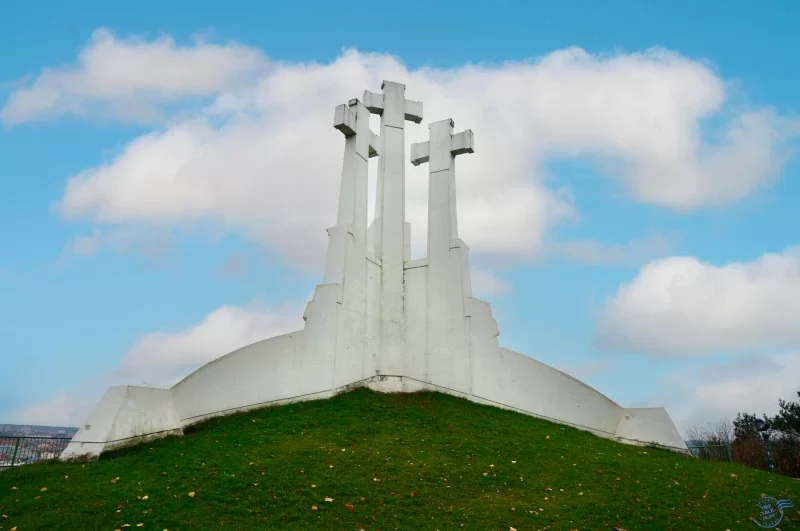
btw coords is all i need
(360, 144)
(389, 236)
(445, 288)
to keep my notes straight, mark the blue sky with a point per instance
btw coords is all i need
(112, 259)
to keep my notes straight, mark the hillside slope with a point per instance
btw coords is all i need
(363, 460)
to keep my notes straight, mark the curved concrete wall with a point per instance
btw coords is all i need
(547, 392)
(649, 425)
(258, 373)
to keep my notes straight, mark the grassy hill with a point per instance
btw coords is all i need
(369, 461)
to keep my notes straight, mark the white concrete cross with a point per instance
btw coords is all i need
(360, 145)
(394, 110)
(440, 153)
(390, 233)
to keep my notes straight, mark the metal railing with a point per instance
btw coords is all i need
(712, 452)
(15, 451)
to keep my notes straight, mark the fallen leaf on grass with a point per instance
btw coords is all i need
(314, 508)
(191, 494)
(349, 507)
(413, 493)
(145, 498)
(44, 489)
(313, 486)
(485, 473)
(547, 437)
(547, 489)
(328, 499)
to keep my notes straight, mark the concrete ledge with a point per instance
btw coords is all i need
(126, 415)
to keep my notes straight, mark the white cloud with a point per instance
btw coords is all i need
(721, 390)
(485, 284)
(165, 358)
(679, 306)
(162, 359)
(152, 243)
(263, 158)
(129, 78)
(84, 245)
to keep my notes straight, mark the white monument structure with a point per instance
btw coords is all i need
(378, 319)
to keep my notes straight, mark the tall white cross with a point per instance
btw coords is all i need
(445, 289)
(390, 227)
(360, 145)
(440, 153)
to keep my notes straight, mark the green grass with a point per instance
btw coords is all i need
(420, 461)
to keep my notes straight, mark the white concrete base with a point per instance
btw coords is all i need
(108, 427)
(379, 319)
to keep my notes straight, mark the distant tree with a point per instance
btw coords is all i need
(743, 427)
(788, 419)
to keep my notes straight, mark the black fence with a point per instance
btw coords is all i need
(15, 451)
(783, 452)
(712, 452)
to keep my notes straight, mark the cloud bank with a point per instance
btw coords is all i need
(259, 155)
(679, 306)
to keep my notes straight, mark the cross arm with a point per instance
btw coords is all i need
(463, 142)
(420, 153)
(344, 120)
(412, 111)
